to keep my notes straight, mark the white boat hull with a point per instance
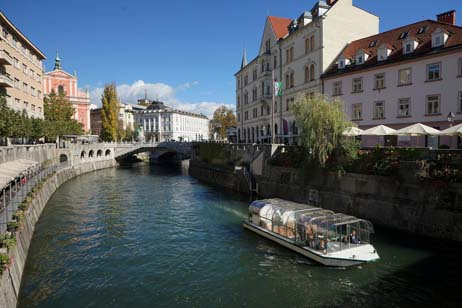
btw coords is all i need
(343, 258)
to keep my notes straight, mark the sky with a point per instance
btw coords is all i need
(184, 53)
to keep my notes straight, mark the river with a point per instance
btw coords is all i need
(151, 236)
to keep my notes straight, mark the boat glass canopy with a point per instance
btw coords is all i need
(309, 226)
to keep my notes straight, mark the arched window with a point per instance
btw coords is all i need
(60, 90)
(90, 154)
(307, 73)
(83, 154)
(311, 72)
(99, 153)
(292, 80)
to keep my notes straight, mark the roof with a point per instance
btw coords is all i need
(13, 169)
(22, 36)
(280, 26)
(392, 40)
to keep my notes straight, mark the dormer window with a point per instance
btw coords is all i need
(361, 57)
(383, 52)
(439, 38)
(341, 62)
(409, 45)
(373, 43)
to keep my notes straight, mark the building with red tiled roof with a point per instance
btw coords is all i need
(411, 74)
(296, 52)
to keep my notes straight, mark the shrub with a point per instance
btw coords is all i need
(12, 226)
(4, 261)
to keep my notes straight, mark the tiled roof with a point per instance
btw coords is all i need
(392, 40)
(280, 26)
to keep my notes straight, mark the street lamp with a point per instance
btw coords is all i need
(451, 117)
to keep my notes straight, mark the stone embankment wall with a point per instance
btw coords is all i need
(394, 202)
(10, 280)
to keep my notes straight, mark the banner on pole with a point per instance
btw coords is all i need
(278, 88)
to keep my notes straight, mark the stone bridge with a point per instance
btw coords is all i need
(75, 154)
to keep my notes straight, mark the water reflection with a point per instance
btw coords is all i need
(149, 236)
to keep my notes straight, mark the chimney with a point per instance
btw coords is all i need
(448, 17)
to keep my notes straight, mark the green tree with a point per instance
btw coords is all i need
(109, 113)
(58, 113)
(322, 122)
(223, 118)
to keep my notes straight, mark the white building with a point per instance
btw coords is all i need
(298, 52)
(404, 76)
(161, 123)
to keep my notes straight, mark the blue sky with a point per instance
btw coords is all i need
(183, 52)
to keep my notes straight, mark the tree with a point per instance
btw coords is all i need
(109, 113)
(58, 113)
(223, 118)
(322, 122)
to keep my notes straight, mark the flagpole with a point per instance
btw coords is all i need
(272, 110)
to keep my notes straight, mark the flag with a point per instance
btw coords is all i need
(278, 88)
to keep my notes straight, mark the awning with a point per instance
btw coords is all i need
(13, 169)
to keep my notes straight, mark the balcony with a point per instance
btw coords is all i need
(6, 81)
(5, 59)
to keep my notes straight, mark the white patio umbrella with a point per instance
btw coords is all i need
(418, 130)
(452, 131)
(353, 131)
(380, 130)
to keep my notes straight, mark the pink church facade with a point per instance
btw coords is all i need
(64, 82)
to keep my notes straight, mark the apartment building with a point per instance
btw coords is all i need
(411, 74)
(295, 52)
(21, 70)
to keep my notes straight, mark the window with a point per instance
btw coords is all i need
(433, 104)
(404, 107)
(33, 107)
(379, 110)
(238, 101)
(434, 71)
(246, 115)
(254, 74)
(16, 63)
(382, 53)
(312, 44)
(357, 112)
(24, 69)
(60, 90)
(373, 43)
(307, 74)
(17, 84)
(311, 72)
(40, 109)
(289, 54)
(246, 98)
(24, 87)
(460, 67)
(422, 30)
(287, 81)
(379, 81)
(275, 61)
(357, 85)
(437, 41)
(404, 77)
(238, 117)
(17, 101)
(460, 102)
(26, 104)
(292, 84)
(307, 45)
(246, 80)
(360, 59)
(408, 47)
(287, 104)
(337, 88)
(275, 107)
(254, 94)
(403, 35)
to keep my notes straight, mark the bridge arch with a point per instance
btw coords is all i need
(107, 153)
(91, 154)
(63, 158)
(83, 154)
(99, 153)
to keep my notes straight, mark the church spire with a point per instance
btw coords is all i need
(57, 62)
(244, 59)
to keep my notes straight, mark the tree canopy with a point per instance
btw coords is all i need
(223, 118)
(109, 113)
(322, 122)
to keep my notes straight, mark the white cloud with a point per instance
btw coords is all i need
(159, 91)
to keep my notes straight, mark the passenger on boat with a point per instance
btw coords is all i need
(310, 236)
(354, 238)
(322, 246)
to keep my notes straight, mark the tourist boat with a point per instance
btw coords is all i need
(329, 238)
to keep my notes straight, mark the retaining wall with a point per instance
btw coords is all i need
(10, 280)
